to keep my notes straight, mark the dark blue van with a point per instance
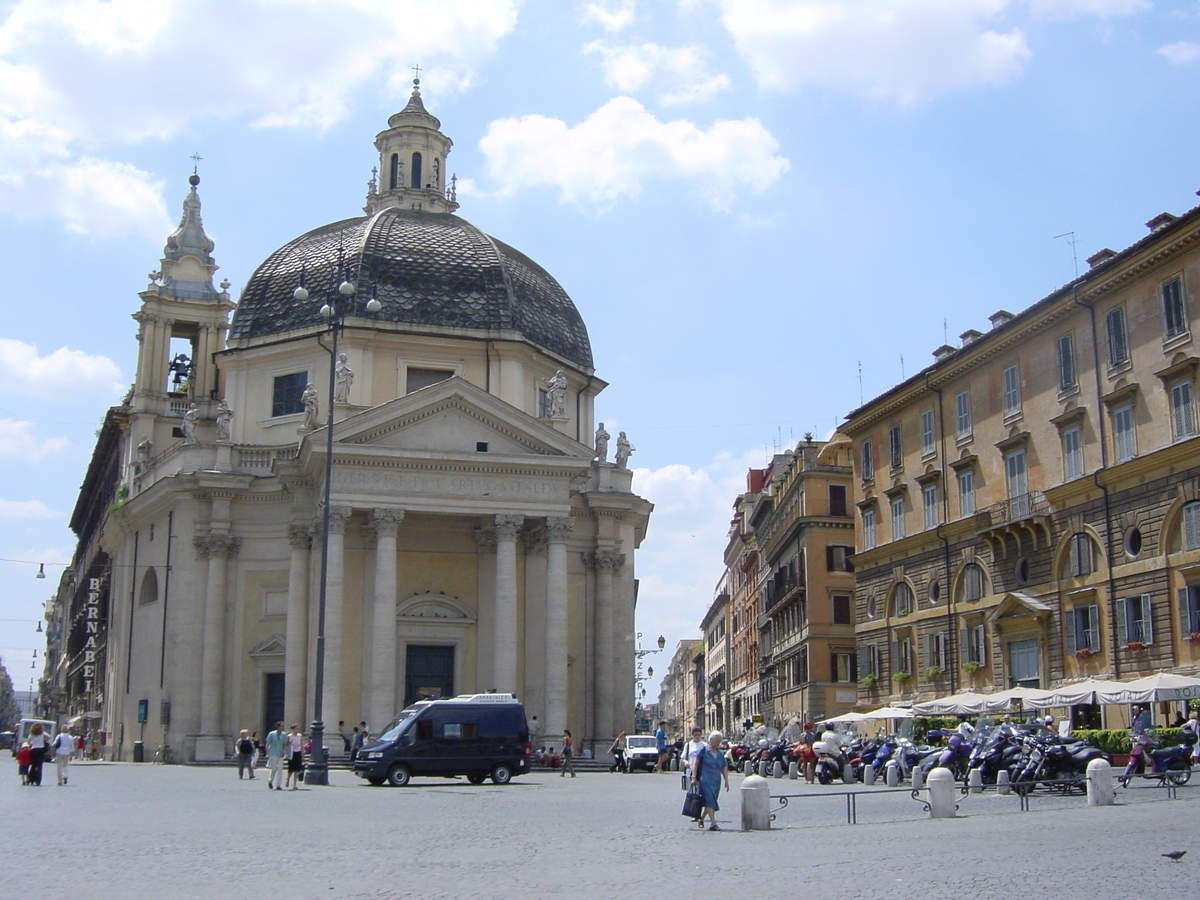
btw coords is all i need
(476, 735)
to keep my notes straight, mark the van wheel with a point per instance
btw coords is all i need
(501, 774)
(398, 776)
(376, 781)
(476, 778)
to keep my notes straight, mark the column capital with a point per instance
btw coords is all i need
(299, 536)
(338, 517)
(386, 521)
(558, 528)
(507, 527)
(605, 560)
(213, 546)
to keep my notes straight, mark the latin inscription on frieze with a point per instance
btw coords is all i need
(446, 484)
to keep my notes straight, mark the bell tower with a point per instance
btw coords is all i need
(181, 325)
(412, 162)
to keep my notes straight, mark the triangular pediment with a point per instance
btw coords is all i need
(1019, 603)
(454, 416)
(272, 646)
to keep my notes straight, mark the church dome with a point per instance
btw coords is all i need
(428, 269)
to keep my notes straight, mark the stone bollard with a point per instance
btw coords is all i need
(847, 773)
(1100, 791)
(794, 769)
(778, 767)
(918, 779)
(975, 781)
(756, 804)
(1002, 782)
(869, 774)
(941, 794)
(893, 773)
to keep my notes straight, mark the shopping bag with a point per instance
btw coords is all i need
(693, 806)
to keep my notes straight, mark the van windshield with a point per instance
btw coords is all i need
(640, 741)
(399, 724)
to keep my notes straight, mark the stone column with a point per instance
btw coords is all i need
(557, 532)
(605, 562)
(296, 658)
(381, 704)
(217, 549)
(332, 689)
(507, 529)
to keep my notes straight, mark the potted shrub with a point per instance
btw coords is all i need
(900, 677)
(868, 682)
(973, 668)
(933, 673)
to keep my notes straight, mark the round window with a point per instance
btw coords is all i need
(1021, 571)
(872, 611)
(1133, 541)
(935, 591)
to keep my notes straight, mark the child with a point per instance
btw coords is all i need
(24, 757)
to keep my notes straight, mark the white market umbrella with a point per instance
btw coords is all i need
(965, 703)
(847, 717)
(1162, 687)
(1085, 691)
(889, 712)
(1027, 696)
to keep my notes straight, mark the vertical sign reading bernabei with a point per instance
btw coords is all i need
(92, 629)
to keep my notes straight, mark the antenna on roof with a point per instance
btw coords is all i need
(1072, 242)
(902, 375)
(860, 389)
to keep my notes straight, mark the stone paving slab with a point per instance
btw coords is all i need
(144, 831)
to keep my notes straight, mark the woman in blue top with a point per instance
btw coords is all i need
(707, 773)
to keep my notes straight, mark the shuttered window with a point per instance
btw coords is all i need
(1189, 609)
(1066, 362)
(1135, 620)
(1083, 629)
(1174, 312)
(1183, 412)
(1191, 525)
(1118, 347)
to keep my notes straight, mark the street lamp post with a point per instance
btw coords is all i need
(339, 302)
(639, 654)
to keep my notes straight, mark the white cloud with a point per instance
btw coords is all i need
(25, 509)
(678, 75)
(61, 374)
(892, 51)
(1181, 52)
(17, 442)
(611, 15)
(79, 78)
(613, 153)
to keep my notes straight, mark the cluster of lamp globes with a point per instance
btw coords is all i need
(346, 289)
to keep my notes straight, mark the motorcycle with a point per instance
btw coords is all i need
(956, 757)
(1168, 764)
(830, 760)
(1062, 763)
(997, 748)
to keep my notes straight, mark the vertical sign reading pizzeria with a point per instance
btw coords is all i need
(92, 630)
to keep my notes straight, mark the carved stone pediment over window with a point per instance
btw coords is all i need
(273, 647)
(429, 608)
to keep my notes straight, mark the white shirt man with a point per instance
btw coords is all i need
(692, 748)
(64, 746)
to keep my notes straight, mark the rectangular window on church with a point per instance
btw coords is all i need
(415, 379)
(286, 398)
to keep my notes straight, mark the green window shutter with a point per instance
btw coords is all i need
(1122, 625)
(1072, 630)
(1093, 630)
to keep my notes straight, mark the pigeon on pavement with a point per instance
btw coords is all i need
(1175, 855)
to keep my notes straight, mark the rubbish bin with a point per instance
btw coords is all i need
(139, 751)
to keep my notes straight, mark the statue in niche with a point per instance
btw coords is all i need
(189, 424)
(343, 378)
(556, 396)
(601, 444)
(145, 450)
(224, 420)
(624, 451)
(312, 408)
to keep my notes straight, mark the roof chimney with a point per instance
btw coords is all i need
(1002, 317)
(970, 336)
(943, 352)
(1102, 256)
(1161, 220)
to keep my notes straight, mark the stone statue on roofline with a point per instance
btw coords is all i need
(343, 378)
(224, 420)
(601, 444)
(189, 424)
(312, 408)
(624, 451)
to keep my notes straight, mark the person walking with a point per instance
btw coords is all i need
(568, 754)
(64, 747)
(295, 764)
(24, 757)
(356, 744)
(617, 752)
(692, 749)
(37, 752)
(660, 744)
(808, 756)
(245, 754)
(710, 768)
(276, 747)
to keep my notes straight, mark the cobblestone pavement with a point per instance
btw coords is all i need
(144, 831)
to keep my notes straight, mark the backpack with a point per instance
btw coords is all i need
(245, 746)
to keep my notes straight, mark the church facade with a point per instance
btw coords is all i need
(479, 538)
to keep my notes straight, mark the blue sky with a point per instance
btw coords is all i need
(747, 199)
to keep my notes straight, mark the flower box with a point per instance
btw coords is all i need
(1084, 653)
(1135, 645)
(1194, 637)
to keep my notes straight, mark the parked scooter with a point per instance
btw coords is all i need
(1062, 763)
(1169, 764)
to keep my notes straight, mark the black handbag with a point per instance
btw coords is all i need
(693, 806)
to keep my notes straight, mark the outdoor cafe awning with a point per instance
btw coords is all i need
(1162, 687)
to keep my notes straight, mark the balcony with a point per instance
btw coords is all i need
(777, 594)
(1028, 513)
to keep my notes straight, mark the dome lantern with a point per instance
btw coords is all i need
(412, 162)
